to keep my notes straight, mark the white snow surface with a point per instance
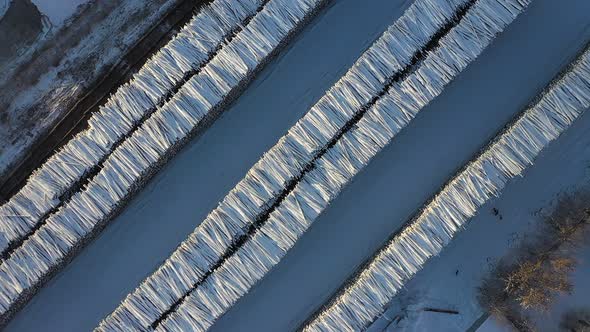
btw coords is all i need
(211, 166)
(580, 279)
(562, 168)
(379, 200)
(58, 10)
(132, 107)
(60, 82)
(145, 303)
(413, 167)
(490, 325)
(4, 4)
(157, 137)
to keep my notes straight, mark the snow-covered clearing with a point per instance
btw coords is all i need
(3, 7)
(201, 175)
(74, 62)
(450, 281)
(58, 10)
(445, 135)
(158, 138)
(392, 187)
(489, 325)
(144, 307)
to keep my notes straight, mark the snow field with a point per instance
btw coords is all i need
(253, 261)
(290, 220)
(512, 151)
(284, 162)
(123, 113)
(124, 170)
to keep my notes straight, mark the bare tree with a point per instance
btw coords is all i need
(494, 298)
(535, 284)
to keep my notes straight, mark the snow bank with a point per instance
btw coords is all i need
(425, 236)
(177, 284)
(158, 138)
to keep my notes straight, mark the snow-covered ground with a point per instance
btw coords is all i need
(563, 167)
(580, 277)
(58, 10)
(3, 7)
(441, 139)
(76, 55)
(191, 185)
(491, 326)
(578, 300)
(398, 181)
